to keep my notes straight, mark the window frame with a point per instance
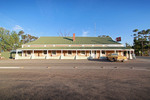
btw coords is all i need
(54, 53)
(103, 52)
(45, 52)
(28, 52)
(68, 52)
(81, 52)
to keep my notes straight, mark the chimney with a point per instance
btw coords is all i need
(73, 36)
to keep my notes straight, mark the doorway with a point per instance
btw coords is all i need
(94, 54)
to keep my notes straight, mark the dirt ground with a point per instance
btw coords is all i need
(75, 80)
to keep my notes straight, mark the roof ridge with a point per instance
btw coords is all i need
(76, 36)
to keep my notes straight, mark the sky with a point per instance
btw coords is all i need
(116, 18)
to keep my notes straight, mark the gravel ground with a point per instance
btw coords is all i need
(75, 80)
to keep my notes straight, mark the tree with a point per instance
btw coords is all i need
(141, 41)
(21, 33)
(103, 36)
(128, 46)
(12, 40)
(4, 39)
(25, 38)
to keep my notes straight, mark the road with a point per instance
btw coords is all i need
(75, 80)
(139, 63)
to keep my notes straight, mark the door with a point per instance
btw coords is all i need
(94, 54)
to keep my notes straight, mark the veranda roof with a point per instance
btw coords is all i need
(67, 48)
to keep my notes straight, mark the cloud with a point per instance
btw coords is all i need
(85, 33)
(17, 27)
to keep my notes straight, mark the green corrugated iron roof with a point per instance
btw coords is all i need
(59, 48)
(78, 40)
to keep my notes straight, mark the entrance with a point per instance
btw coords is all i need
(94, 54)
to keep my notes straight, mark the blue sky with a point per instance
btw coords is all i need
(83, 17)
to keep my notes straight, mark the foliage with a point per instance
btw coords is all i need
(128, 46)
(141, 41)
(104, 36)
(13, 40)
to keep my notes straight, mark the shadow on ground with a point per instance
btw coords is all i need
(100, 60)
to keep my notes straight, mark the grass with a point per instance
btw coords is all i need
(6, 55)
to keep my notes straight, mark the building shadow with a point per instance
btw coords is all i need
(100, 60)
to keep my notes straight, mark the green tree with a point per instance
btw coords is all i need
(128, 46)
(4, 39)
(141, 41)
(25, 38)
(12, 40)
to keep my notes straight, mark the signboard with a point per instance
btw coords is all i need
(118, 39)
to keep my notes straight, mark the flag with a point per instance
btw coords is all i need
(118, 39)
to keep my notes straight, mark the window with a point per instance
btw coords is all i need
(45, 52)
(69, 52)
(103, 52)
(82, 52)
(29, 52)
(53, 52)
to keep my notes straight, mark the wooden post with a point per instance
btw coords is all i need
(127, 54)
(22, 53)
(16, 56)
(33, 54)
(47, 55)
(61, 52)
(76, 52)
(130, 55)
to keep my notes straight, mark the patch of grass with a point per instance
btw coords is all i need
(6, 55)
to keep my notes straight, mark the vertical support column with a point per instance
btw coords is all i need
(26, 53)
(127, 54)
(16, 56)
(122, 53)
(134, 57)
(32, 55)
(61, 54)
(130, 55)
(100, 54)
(51, 53)
(115, 51)
(76, 52)
(47, 55)
(96, 54)
(22, 53)
(91, 55)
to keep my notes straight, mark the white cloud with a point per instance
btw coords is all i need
(17, 27)
(85, 33)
